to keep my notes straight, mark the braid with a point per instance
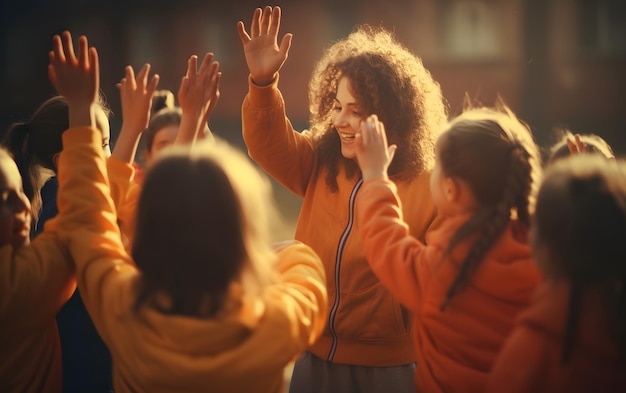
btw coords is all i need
(492, 221)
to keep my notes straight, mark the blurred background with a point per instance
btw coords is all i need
(557, 63)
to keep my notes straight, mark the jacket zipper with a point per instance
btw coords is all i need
(338, 258)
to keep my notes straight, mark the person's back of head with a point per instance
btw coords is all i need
(201, 225)
(162, 99)
(36, 142)
(494, 153)
(593, 143)
(389, 81)
(579, 230)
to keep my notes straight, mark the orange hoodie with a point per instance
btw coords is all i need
(455, 347)
(366, 325)
(243, 349)
(530, 361)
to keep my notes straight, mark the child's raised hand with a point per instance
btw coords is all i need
(197, 95)
(136, 98)
(263, 56)
(372, 153)
(75, 78)
(576, 146)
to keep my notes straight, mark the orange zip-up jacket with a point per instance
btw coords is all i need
(243, 349)
(455, 347)
(530, 361)
(366, 325)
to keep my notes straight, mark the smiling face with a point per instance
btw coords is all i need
(347, 116)
(14, 205)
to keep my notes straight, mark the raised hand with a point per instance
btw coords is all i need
(75, 78)
(197, 95)
(576, 146)
(263, 56)
(136, 98)
(372, 153)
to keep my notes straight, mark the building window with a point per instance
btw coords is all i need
(602, 27)
(469, 29)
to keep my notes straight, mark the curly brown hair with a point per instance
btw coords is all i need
(387, 80)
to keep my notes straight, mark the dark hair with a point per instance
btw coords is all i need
(594, 144)
(387, 80)
(581, 220)
(34, 144)
(495, 154)
(196, 231)
(161, 99)
(164, 118)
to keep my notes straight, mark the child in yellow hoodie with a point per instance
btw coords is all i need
(476, 272)
(204, 303)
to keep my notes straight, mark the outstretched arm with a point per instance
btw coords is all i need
(198, 94)
(263, 56)
(136, 97)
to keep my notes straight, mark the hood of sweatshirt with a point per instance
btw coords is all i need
(245, 348)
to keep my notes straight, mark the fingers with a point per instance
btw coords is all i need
(391, 152)
(255, 26)
(192, 68)
(154, 82)
(243, 35)
(274, 23)
(83, 50)
(68, 46)
(94, 61)
(285, 44)
(142, 76)
(57, 50)
(130, 77)
(206, 63)
(266, 18)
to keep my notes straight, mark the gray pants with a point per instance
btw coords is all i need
(314, 375)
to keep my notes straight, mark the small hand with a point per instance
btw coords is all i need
(199, 89)
(197, 95)
(372, 153)
(576, 146)
(75, 78)
(263, 56)
(136, 98)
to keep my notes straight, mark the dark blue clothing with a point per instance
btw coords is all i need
(86, 358)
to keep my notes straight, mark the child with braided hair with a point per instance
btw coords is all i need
(475, 273)
(573, 336)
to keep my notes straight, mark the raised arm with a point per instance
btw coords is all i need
(136, 97)
(396, 257)
(89, 217)
(263, 55)
(197, 95)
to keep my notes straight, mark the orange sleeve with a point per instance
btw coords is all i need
(125, 194)
(102, 264)
(285, 154)
(303, 290)
(399, 260)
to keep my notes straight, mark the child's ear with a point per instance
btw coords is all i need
(55, 161)
(452, 189)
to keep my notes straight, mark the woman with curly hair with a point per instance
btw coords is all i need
(367, 345)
